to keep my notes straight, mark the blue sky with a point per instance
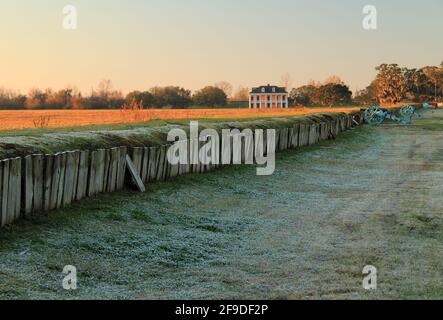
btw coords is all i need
(192, 43)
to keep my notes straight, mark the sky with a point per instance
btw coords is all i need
(139, 44)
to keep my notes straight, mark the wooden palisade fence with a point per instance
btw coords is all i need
(36, 184)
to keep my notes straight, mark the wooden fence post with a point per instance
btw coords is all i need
(145, 165)
(313, 135)
(137, 157)
(5, 188)
(121, 172)
(100, 173)
(68, 186)
(153, 164)
(92, 173)
(28, 186)
(49, 169)
(160, 164)
(61, 182)
(113, 170)
(83, 169)
(38, 183)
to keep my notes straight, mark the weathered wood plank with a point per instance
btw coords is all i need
(174, 170)
(76, 173)
(304, 135)
(123, 151)
(38, 174)
(106, 174)
(68, 188)
(100, 171)
(167, 164)
(137, 157)
(277, 139)
(113, 170)
(82, 176)
(160, 164)
(135, 174)
(290, 136)
(152, 165)
(47, 184)
(1, 193)
(11, 191)
(28, 186)
(145, 165)
(18, 189)
(92, 164)
(295, 134)
(61, 182)
(324, 131)
(5, 192)
(55, 181)
(313, 135)
(283, 136)
(342, 124)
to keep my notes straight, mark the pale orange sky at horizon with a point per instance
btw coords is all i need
(139, 44)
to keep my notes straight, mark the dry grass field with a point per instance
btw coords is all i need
(25, 119)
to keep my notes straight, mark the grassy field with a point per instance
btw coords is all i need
(373, 196)
(25, 119)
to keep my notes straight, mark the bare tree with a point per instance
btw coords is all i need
(241, 95)
(286, 81)
(226, 87)
(105, 88)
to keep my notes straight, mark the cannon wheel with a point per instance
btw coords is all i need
(374, 116)
(407, 112)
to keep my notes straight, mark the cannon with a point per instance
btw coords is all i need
(375, 115)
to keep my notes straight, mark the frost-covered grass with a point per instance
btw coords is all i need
(372, 197)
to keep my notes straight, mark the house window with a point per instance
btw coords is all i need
(263, 90)
(273, 89)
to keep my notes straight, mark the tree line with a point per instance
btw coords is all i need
(105, 97)
(333, 91)
(394, 84)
